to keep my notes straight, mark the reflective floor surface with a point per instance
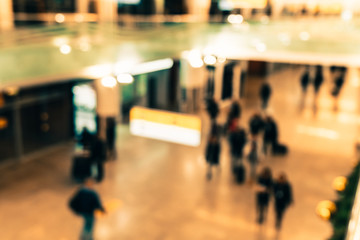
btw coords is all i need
(158, 190)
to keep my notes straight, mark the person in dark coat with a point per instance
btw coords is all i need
(86, 139)
(233, 117)
(98, 157)
(256, 124)
(237, 140)
(84, 203)
(305, 80)
(283, 198)
(338, 83)
(265, 93)
(263, 191)
(212, 154)
(319, 78)
(111, 136)
(212, 108)
(270, 137)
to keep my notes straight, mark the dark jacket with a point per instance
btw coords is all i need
(85, 202)
(263, 197)
(305, 79)
(256, 124)
(319, 78)
(237, 140)
(213, 153)
(270, 131)
(212, 108)
(283, 195)
(265, 91)
(98, 150)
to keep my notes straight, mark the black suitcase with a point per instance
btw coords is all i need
(281, 149)
(239, 172)
(81, 168)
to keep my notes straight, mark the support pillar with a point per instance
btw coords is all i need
(107, 10)
(6, 15)
(82, 6)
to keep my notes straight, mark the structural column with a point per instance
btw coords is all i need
(107, 10)
(82, 6)
(6, 15)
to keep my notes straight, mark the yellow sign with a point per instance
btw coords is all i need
(163, 125)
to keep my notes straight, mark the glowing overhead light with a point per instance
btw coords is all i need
(152, 66)
(221, 59)
(129, 2)
(79, 18)
(235, 18)
(108, 81)
(284, 38)
(305, 36)
(346, 15)
(85, 46)
(194, 58)
(59, 41)
(261, 47)
(59, 18)
(98, 71)
(210, 59)
(125, 78)
(65, 49)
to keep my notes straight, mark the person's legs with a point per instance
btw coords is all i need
(87, 232)
(279, 216)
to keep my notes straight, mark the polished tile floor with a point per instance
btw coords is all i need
(162, 189)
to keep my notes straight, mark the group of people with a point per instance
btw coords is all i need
(254, 144)
(280, 189)
(261, 140)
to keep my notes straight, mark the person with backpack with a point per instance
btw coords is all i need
(212, 154)
(256, 124)
(84, 203)
(283, 198)
(263, 191)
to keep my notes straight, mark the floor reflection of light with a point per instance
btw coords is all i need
(317, 132)
(347, 105)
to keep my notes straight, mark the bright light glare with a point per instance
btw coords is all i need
(210, 59)
(235, 19)
(261, 47)
(129, 2)
(346, 15)
(194, 58)
(152, 66)
(317, 132)
(98, 71)
(59, 41)
(59, 18)
(85, 46)
(125, 78)
(305, 36)
(108, 81)
(284, 38)
(339, 183)
(65, 49)
(221, 59)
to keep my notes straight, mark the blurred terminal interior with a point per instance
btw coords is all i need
(68, 64)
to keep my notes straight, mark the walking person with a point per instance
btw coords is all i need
(84, 203)
(111, 137)
(319, 79)
(237, 140)
(265, 93)
(270, 137)
(263, 191)
(233, 117)
(212, 154)
(98, 158)
(305, 80)
(283, 198)
(212, 109)
(256, 124)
